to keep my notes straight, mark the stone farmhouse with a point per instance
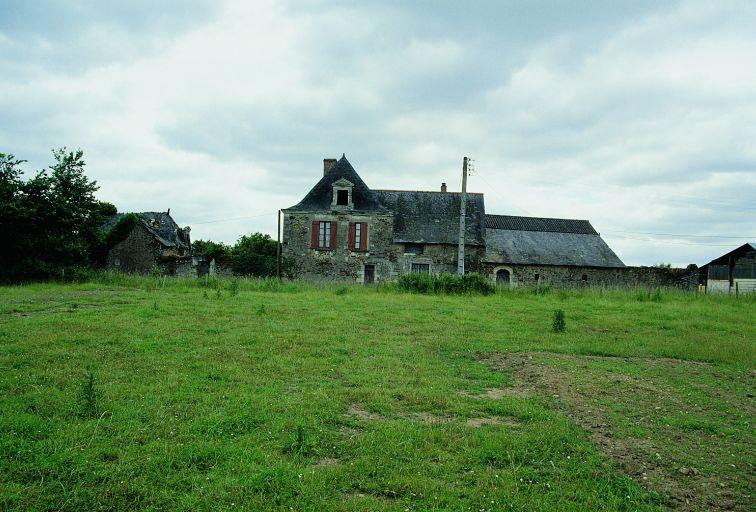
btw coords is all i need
(344, 230)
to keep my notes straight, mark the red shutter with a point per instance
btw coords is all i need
(314, 235)
(333, 234)
(363, 237)
(350, 242)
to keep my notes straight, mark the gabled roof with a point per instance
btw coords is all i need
(737, 252)
(539, 224)
(542, 241)
(433, 217)
(321, 195)
(160, 224)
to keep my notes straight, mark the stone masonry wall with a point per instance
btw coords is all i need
(340, 264)
(571, 277)
(137, 253)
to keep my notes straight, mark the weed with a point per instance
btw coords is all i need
(233, 288)
(88, 397)
(261, 309)
(205, 295)
(154, 306)
(541, 289)
(559, 324)
(218, 293)
(297, 446)
(341, 290)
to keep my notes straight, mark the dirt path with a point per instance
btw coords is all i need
(644, 459)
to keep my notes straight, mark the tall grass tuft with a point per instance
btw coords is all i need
(451, 284)
(559, 324)
(88, 406)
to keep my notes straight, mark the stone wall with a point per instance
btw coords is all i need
(138, 253)
(341, 264)
(574, 277)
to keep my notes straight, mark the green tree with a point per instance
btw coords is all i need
(218, 251)
(51, 223)
(254, 255)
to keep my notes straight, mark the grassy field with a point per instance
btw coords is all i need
(138, 394)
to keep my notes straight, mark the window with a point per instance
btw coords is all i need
(537, 278)
(421, 268)
(358, 236)
(323, 234)
(585, 277)
(413, 248)
(342, 197)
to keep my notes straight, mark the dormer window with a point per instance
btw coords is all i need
(342, 195)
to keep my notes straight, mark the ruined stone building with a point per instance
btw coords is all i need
(344, 230)
(148, 242)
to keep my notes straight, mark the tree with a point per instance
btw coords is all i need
(51, 223)
(254, 255)
(217, 251)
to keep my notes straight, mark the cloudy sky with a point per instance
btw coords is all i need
(639, 116)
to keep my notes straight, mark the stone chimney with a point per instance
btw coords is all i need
(327, 164)
(443, 187)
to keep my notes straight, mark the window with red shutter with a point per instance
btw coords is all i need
(332, 242)
(323, 235)
(364, 236)
(350, 239)
(314, 235)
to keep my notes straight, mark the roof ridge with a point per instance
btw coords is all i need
(423, 191)
(533, 217)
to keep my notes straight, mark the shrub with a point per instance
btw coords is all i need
(445, 283)
(559, 324)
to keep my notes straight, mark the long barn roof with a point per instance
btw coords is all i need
(542, 241)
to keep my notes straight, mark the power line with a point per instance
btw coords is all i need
(680, 235)
(668, 242)
(232, 218)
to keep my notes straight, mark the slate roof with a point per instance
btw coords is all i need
(737, 252)
(321, 195)
(539, 224)
(540, 241)
(433, 217)
(168, 233)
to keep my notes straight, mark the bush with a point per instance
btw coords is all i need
(559, 324)
(471, 283)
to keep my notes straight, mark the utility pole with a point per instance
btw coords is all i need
(278, 249)
(462, 210)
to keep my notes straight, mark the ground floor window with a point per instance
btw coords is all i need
(421, 268)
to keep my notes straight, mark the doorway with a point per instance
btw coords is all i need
(369, 274)
(503, 277)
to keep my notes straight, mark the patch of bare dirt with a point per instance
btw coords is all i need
(499, 393)
(432, 419)
(688, 489)
(360, 413)
(326, 462)
(491, 420)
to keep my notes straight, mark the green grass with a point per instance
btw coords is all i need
(266, 396)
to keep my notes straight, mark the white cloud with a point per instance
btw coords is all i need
(641, 123)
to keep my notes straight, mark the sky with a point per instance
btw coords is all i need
(638, 116)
